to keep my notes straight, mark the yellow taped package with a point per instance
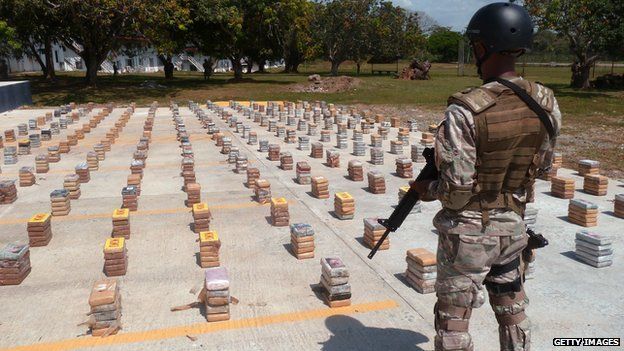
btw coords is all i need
(209, 236)
(279, 201)
(200, 207)
(114, 245)
(39, 218)
(121, 213)
(344, 196)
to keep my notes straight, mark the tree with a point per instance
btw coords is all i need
(341, 26)
(585, 23)
(8, 45)
(218, 30)
(95, 26)
(443, 43)
(395, 33)
(38, 26)
(167, 29)
(289, 29)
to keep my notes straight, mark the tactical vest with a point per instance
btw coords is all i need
(508, 138)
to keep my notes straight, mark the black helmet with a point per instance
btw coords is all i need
(500, 27)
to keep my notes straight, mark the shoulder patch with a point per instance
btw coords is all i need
(477, 100)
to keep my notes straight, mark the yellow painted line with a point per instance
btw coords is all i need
(72, 218)
(206, 328)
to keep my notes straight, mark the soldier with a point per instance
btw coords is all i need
(493, 142)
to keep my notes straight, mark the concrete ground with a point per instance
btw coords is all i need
(278, 308)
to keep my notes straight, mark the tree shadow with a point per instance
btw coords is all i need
(348, 333)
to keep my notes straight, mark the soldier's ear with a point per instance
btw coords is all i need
(478, 50)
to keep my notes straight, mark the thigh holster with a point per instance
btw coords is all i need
(507, 302)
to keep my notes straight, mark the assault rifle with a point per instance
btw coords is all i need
(392, 224)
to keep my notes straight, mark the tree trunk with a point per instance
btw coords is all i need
(261, 64)
(237, 67)
(4, 69)
(35, 53)
(50, 71)
(358, 66)
(580, 74)
(295, 66)
(249, 66)
(92, 63)
(334, 67)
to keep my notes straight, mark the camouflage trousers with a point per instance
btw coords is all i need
(464, 262)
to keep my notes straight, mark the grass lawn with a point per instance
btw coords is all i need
(593, 120)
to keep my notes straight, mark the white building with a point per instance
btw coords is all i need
(127, 61)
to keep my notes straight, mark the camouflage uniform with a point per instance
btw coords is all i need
(467, 250)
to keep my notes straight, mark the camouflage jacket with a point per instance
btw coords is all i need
(456, 156)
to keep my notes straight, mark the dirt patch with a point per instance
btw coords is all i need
(318, 84)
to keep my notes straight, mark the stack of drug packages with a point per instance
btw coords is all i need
(377, 156)
(356, 171)
(317, 150)
(115, 257)
(129, 198)
(335, 287)
(344, 205)
(421, 270)
(320, 187)
(263, 191)
(376, 182)
(10, 155)
(333, 158)
(41, 163)
(286, 161)
(253, 174)
(121, 223)
(427, 139)
(279, 212)
(303, 173)
(193, 192)
(594, 249)
(105, 303)
(396, 147)
(39, 230)
(201, 217)
(72, 185)
(417, 206)
(373, 231)
(586, 167)
(595, 184)
(583, 213)
(404, 167)
(619, 205)
(241, 164)
(562, 187)
(274, 152)
(100, 150)
(60, 202)
(302, 240)
(26, 176)
(14, 264)
(209, 245)
(82, 171)
(216, 294)
(8, 192)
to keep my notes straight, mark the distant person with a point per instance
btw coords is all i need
(207, 69)
(115, 71)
